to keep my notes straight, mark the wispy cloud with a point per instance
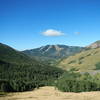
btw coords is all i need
(77, 33)
(52, 32)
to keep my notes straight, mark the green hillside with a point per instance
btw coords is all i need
(11, 55)
(86, 60)
(19, 72)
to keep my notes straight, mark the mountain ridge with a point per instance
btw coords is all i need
(94, 45)
(83, 61)
(54, 51)
(11, 55)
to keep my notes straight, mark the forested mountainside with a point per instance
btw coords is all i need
(19, 72)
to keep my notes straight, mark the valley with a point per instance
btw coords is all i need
(75, 72)
(49, 50)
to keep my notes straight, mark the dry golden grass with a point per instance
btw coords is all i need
(50, 93)
(83, 61)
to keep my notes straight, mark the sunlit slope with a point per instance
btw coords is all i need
(83, 61)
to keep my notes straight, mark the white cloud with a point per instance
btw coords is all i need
(52, 32)
(77, 33)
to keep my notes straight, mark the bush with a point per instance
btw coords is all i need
(74, 82)
(98, 66)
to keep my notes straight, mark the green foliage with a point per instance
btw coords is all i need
(26, 77)
(98, 66)
(73, 69)
(81, 58)
(75, 82)
(11, 55)
(77, 86)
(73, 61)
(19, 72)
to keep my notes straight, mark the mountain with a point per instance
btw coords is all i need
(8, 54)
(19, 72)
(86, 60)
(53, 51)
(94, 45)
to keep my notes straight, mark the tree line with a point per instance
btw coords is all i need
(15, 78)
(76, 82)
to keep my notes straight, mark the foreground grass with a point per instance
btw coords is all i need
(3, 94)
(50, 93)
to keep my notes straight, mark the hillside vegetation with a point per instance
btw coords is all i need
(84, 61)
(11, 55)
(18, 72)
(26, 74)
(77, 82)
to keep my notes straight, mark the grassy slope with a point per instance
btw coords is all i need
(85, 60)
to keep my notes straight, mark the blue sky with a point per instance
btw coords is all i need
(24, 24)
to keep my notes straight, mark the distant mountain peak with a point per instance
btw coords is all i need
(98, 41)
(94, 45)
(54, 51)
(57, 48)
